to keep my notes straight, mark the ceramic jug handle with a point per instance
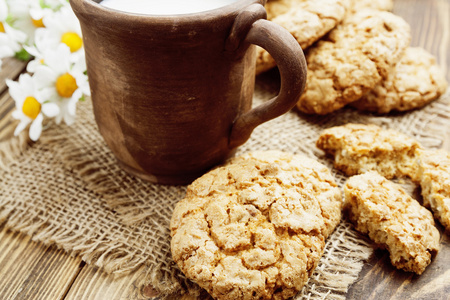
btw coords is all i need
(290, 59)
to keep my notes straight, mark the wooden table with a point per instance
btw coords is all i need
(30, 270)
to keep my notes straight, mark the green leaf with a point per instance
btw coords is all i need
(10, 20)
(23, 55)
(43, 4)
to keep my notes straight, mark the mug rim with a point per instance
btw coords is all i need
(223, 10)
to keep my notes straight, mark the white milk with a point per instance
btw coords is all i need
(165, 7)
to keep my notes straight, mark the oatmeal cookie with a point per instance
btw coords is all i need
(358, 5)
(359, 148)
(434, 172)
(306, 20)
(356, 56)
(255, 228)
(415, 81)
(275, 8)
(392, 219)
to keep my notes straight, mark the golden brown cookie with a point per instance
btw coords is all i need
(359, 148)
(358, 5)
(255, 228)
(392, 219)
(415, 81)
(306, 20)
(434, 172)
(356, 56)
(275, 8)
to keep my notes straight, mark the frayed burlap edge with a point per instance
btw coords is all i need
(97, 177)
(111, 256)
(434, 124)
(339, 266)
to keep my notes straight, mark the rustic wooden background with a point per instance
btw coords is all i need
(30, 270)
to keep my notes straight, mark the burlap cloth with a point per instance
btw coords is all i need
(67, 190)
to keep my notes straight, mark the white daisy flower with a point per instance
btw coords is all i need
(62, 27)
(28, 15)
(40, 47)
(3, 15)
(54, 4)
(31, 105)
(11, 39)
(5, 49)
(66, 79)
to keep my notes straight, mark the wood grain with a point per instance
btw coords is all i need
(6, 109)
(430, 27)
(380, 280)
(30, 270)
(11, 68)
(94, 284)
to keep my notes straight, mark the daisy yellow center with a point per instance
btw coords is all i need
(31, 107)
(66, 85)
(72, 40)
(2, 28)
(37, 23)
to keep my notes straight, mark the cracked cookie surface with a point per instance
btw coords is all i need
(434, 172)
(357, 55)
(255, 228)
(415, 81)
(358, 148)
(306, 20)
(391, 218)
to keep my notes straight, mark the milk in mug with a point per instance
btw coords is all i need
(165, 7)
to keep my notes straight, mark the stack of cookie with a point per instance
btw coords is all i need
(381, 208)
(358, 54)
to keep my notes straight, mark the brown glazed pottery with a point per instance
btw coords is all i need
(172, 94)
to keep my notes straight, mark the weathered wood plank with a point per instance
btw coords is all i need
(380, 280)
(11, 68)
(6, 105)
(94, 284)
(7, 123)
(30, 270)
(430, 27)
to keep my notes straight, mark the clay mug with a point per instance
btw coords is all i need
(172, 95)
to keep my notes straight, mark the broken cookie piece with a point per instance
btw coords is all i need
(416, 81)
(434, 173)
(256, 227)
(358, 148)
(393, 220)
